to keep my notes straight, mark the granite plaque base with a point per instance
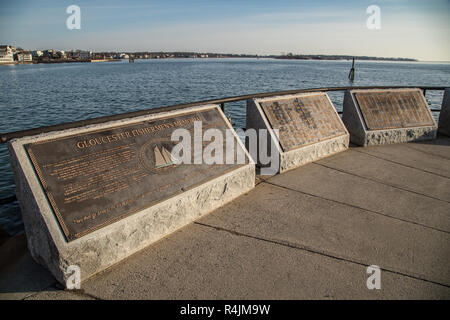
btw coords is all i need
(94, 195)
(384, 116)
(444, 116)
(308, 125)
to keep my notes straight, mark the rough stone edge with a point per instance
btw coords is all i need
(301, 156)
(402, 135)
(255, 118)
(444, 115)
(360, 135)
(113, 243)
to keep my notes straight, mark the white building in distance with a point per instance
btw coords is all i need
(25, 57)
(37, 53)
(6, 54)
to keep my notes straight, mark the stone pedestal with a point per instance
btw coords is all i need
(444, 116)
(94, 195)
(308, 125)
(383, 116)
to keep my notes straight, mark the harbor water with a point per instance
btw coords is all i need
(47, 94)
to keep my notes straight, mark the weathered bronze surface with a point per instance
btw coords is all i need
(303, 120)
(394, 109)
(96, 178)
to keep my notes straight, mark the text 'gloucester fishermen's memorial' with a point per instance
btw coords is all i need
(382, 116)
(301, 128)
(91, 196)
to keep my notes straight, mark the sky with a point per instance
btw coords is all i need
(409, 29)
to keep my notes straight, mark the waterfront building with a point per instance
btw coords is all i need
(82, 55)
(61, 54)
(50, 53)
(37, 53)
(25, 57)
(6, 54)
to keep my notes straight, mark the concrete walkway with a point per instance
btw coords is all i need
(308, 233)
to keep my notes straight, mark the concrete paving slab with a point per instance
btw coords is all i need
(409, 157)
(199, 262)
(308, 233)
(23, 278)
(284, 216)
(438, 147)
(371, 195)
(57, 294)
(393, 174)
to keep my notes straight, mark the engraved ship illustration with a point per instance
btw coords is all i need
(164, 158)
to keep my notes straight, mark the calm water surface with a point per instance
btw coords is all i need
(47, 94)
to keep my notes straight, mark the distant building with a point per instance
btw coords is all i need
(85, 54)
(37, 53)
(50, 53)
(82, 55)
(25, 56)
(61, 54)
(6, 54)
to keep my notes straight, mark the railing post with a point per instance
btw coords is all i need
(222, 106)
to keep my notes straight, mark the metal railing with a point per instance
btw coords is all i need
(5, 137)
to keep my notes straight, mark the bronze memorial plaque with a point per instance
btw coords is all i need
(393, 109)
(303, 120)
(96, 178)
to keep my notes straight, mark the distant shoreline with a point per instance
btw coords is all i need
(340, 57)
(368, 59)
(289, 56)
